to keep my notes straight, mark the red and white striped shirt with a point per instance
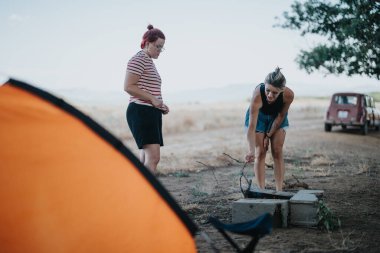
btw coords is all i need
(150, 81)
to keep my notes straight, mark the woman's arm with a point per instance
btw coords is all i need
(130, 86)
(288, 99)
(256, 104)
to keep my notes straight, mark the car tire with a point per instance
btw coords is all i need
(365, 128)
(328, 127)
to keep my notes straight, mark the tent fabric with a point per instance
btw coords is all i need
(68, 185)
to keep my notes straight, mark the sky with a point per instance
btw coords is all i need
(85, 45)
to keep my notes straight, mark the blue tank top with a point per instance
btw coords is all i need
(274, 108)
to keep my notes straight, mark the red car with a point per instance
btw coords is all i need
(352, 109)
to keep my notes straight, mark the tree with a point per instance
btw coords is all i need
(352, 28)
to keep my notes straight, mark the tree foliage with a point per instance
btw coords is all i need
(352, 29)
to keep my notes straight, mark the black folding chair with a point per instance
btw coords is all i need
(256, 228)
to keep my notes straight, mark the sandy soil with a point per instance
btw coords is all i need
(197, 169)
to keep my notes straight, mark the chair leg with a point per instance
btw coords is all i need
(252, 245)
(229, 239)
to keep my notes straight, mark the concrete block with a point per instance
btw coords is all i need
(248, 209)
(303, 210)
(317, 193)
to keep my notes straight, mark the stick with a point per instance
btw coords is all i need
(212, 169)
(296, 178)
(236, 160)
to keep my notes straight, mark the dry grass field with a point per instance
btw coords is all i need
(200, 167)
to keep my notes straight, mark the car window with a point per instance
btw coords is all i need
(346, 100)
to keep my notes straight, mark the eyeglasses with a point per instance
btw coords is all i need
(160, 48)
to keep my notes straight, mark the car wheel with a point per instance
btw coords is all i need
(365, 129)
(328, 127)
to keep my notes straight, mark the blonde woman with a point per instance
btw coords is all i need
(267, 121)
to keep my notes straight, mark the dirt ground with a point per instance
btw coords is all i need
(197, 169)
(343, 164)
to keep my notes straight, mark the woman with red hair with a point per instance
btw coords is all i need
(145, 109)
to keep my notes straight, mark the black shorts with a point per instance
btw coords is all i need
(145, 123)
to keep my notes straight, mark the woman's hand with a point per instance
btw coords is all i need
(266, 142)
(157, 102)
(250, 157)
(165, 109)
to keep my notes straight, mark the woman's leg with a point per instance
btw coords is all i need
(277, 143)
(152, 156)
(142, 156)
(259, 166)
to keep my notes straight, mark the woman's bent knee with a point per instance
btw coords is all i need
(260, 153)
(156, 160)
(277, 153)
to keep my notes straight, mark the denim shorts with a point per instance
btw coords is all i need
(265, 121)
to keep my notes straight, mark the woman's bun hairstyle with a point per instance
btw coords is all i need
(151, 35)
(276, 78)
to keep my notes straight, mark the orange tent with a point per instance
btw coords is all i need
(68, 185)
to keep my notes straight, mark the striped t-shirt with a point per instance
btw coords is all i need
(150, 81)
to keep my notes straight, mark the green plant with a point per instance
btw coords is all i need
(196, 191)
(180, 174)
(326, 219)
